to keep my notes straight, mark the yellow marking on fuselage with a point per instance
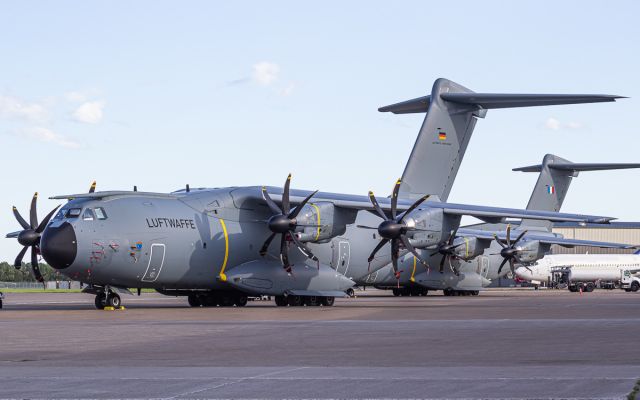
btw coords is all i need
(466, 247)
(414, 269)
(222, 276)
(317, 212)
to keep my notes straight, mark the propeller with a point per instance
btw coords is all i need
(448, 251)
(510, 250)
(394, 229)
(30, 236)
(284, 222)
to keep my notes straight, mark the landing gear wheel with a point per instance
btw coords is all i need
(396, 292)
(294, 301)
(194, 300)
(281, 301)
(100, 302)
(226, 300)
(475, 292)
(327, 301)
(114, 300)
(350, 292)
(311, 301)
(241, 301)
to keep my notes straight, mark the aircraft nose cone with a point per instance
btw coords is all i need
(58, 245)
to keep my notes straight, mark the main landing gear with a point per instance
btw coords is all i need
(215, 299)
(299, 301)
(410, 291)
(453, 292)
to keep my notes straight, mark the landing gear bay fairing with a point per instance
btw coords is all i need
(218, 246)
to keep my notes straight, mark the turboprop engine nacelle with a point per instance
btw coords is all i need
(427, 227)
(328, 222)
(470, 247)
(531, 251)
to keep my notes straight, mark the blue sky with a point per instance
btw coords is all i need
(159, 94)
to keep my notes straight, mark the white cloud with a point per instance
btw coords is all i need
(265, 73)
(13, 107)
(552, 123)
(89, 112)
(75, 96)
(287, 90)
(47, 135)
(555, 125)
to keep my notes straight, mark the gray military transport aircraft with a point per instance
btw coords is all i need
(464, 271)
(215, 245)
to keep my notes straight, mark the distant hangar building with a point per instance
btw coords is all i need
(616, 232)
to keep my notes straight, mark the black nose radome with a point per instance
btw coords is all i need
(58, 245)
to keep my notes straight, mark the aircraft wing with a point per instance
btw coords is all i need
(486, 213)
(546, 239)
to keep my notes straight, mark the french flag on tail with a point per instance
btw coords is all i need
(551, 189)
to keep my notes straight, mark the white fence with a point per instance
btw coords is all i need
(38, 285)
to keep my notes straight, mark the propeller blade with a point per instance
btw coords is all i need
(265, 246)
(284, 254)
(21, 220)
(33, 212)
(504, 246)
(297, 210)
(414, 206)
(519, 237)
(378, 247)
(34, 265)
(304, 249)
(509, 235)
(512, 265)
(366, 227)
(413, 251)
(93, 187)
(285, 196)
(452, 237)
(453, 269)
(442, 260)
(45, 221)
(394, 198)
(377, 206)
(18, 262)
(395, 249)
(272, 204)
(502, 265)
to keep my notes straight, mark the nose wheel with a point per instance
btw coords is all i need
(107, 300)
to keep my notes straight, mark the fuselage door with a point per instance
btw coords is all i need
(483, 263)
(156, 259)
(344, 253)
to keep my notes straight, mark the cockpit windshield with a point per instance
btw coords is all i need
(89, 213)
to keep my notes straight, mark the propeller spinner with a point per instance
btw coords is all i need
(284, 222)
(29, 237)
(394, 229)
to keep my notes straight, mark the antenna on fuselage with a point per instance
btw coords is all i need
(135, 188)
(188, 188)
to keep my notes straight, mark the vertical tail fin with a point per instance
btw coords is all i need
(452, 111)
(553, 183)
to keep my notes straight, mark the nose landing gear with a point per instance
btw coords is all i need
(107, 299)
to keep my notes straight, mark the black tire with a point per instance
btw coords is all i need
(294, 301)
(281, 301)
(241, 300)
(311, 301)
(475, 292)
(99, 301)
(0, 304)
(350, 292)
(327, 301)
(226, 300)
(635, 286)
(194, 300)
(114, 300)
(589, 288)
(396, 292)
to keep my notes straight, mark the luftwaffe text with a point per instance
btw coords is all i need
(171, 223)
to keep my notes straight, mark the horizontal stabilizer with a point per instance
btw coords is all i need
(579, 167)
(497, 100)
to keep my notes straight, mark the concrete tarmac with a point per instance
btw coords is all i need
(501, 344)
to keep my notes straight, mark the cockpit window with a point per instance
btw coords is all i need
(100, 214)
(73, 213)
(59, 215)
(87, 215)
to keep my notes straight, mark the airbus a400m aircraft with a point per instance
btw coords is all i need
(218, 245)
